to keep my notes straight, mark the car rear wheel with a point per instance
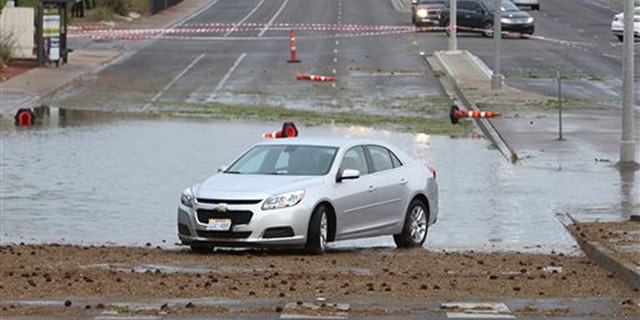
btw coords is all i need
(487, 29)
(201, 248)
(318, 231)
(414, 232)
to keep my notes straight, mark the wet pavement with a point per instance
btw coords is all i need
(99, 178)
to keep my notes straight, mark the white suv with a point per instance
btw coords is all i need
(534, 4)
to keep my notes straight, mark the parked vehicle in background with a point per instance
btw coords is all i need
(533, 4)
(426, 12)
(617, 25)
(305, 192)
(477, 16)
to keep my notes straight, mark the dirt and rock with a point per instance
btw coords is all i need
(100, 274)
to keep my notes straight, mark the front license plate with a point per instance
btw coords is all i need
(219, 224)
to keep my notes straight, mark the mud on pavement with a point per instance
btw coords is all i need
(100, 274)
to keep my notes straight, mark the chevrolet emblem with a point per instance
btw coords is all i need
(222, 207)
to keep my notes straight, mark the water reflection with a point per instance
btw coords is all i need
(96, 178)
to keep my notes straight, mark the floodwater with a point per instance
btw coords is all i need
(92, 178)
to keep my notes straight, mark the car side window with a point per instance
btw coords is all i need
(381, 158)
(465, 5)
(355, 159)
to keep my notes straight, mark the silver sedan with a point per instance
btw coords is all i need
(305, 192)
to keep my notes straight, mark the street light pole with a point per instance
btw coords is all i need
(453, 23)
(496, 77)
(627, 144)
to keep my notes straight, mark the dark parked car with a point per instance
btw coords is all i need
(477, 16)
(426, 12)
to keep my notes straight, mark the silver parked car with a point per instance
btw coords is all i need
(305, 192)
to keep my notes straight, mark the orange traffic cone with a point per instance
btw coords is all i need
(456, 114)
(289, 130)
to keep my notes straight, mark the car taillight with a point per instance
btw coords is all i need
(433, 172)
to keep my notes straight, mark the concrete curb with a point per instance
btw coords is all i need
(602, 255)
(457, 96)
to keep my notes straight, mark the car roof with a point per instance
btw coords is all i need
(332, 141)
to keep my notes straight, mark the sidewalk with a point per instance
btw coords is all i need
(527, 134)
(522, 133)
(26, 90)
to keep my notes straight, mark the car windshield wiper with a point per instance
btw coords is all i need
(277, 173)
(233, 172)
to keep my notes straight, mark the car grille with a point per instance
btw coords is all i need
(226, 201)
(236, 216)
(223, 234)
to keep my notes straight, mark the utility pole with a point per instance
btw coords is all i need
(627, 144)
(453, 25)
(496, 77)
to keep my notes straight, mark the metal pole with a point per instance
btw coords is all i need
(453, 25)
(627, 144)
(496, 77)
(559, 106)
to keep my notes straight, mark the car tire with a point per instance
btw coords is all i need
(535, 7)
(414, 232)
(487, 29)
(318, 231)
(201, 248)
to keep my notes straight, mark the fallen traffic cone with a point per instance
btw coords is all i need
(313, 77)
(289, 130)
(456, 114)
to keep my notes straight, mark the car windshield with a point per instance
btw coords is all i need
(507, 6)
(296, 160)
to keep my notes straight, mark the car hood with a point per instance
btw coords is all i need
(515, 14)
(430, 6)
(252, 187)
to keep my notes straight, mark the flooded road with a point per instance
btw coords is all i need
(96, 179)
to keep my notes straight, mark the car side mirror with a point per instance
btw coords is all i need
(348, 174)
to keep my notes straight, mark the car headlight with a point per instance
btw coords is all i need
(187, 198)
(283, 200)
(516, 20)
(422, 13)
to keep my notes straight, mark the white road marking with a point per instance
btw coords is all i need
(273, 18)
(245, 18)
(477, 310)
(226, 77)
(176, 78)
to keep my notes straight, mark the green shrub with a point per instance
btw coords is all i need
(120, 7)
(100, 13)
(7, 48)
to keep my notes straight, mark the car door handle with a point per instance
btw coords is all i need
(372, 188)
(404, 181)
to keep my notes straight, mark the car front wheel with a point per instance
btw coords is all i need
(414, 232)
(488, 29)
(318, 231)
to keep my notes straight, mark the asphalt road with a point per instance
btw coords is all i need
(236, 52)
